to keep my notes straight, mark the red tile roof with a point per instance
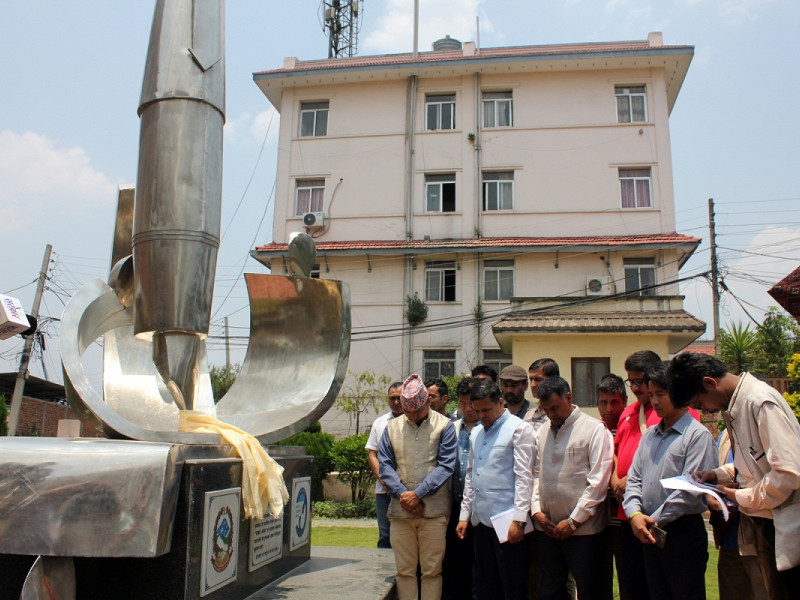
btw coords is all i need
(420, 246)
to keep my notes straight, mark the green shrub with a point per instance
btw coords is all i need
(351, 460)
(3, 415)
(330, 509)
(319, 446)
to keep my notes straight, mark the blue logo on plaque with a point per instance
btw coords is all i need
(301, 512)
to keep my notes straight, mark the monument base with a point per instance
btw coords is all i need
(214, 551)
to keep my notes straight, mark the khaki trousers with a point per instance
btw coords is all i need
(418, 541)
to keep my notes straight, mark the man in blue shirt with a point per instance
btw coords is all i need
(677, 445)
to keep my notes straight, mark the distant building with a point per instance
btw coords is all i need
(44, 406)
(524, 194)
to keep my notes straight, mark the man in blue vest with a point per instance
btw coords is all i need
(498, 479)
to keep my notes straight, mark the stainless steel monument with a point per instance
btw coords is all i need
(150, 510)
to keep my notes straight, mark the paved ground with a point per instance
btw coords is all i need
(336, 572)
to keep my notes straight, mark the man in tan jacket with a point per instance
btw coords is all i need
(764, 479)
(417, 456)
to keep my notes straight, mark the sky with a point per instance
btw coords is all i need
(72, 74)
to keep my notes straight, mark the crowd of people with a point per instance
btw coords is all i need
(513, 500)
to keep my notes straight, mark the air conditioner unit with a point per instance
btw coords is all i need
(598, 286)
(314, 220)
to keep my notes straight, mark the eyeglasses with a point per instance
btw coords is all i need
(638, 382)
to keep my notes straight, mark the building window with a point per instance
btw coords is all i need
(640, 276)
(438, 363)
(313, 119)
(634, 185)
(440, 193)
(497, 109)
(440, 281)
(309, 195)
(315, 271)
(498, 279)
(440, 111)
(497, 359)
(498, 190)
(630, 104)
(586, 374)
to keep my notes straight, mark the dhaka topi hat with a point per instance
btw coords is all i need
(514, 373)
(414, 394)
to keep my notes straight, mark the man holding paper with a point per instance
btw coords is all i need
(766, 463)
(571, 472)
(498, 480)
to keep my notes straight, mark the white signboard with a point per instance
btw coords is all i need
(266, 541)
(220, 539)
(301, 512)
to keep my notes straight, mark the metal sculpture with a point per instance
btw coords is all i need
(119, 497)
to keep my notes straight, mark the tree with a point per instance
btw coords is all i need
(350, 459)
(367, 391)
(737, 347)
(793, 395)
(318, 445)
(222, 379)
(778, 338)
(3, 415)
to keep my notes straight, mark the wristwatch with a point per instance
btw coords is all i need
(521, 523)
(572, 524)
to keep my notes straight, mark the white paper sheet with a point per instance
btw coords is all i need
(502, 521)
(687, 484)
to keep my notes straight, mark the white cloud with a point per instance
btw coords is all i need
(41, 181)
(266, 123)
(437, 18)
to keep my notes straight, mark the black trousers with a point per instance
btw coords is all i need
(502, 568)
(582, 555)
(678, 571)
(630, 567)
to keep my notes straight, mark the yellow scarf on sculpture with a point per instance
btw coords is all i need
(263, 488)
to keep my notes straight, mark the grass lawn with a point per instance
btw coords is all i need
(367, 537)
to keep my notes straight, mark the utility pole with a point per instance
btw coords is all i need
(227, 345)
(714, 274)
(22, 374)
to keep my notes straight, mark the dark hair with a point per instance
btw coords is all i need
(396, 384)
(553, 385)
(641, 360)
(657, 373)
(465, 386)
(686, 372)
(443, 391)
(612, 383)
(485, 370)
(484, 388)
(548, 366)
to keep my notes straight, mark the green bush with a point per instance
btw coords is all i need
(319, 446)
(3, 416)
(351, 460)
(330, 509)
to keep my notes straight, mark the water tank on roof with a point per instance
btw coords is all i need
(446, 43)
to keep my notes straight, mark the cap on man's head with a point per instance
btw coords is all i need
(415, 394)
(514, 373)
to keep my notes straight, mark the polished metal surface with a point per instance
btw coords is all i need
(87, 497)
(297, 357)
(50, 578)
(176, 217)
(293, 370)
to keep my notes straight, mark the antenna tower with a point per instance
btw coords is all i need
(341, 22)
